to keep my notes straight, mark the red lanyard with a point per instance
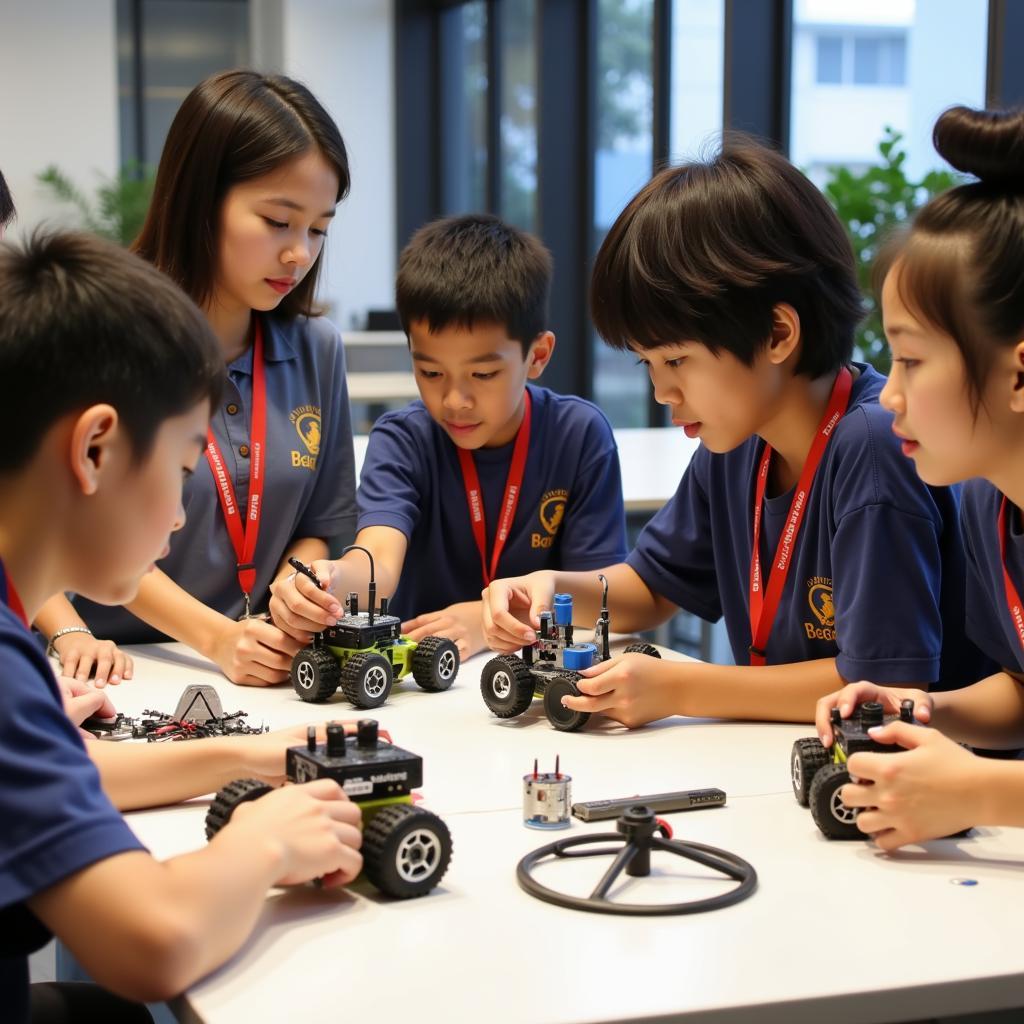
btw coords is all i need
(513, 485)
(1012, 597)
(764, 606)
(14, 602)
(243, 538)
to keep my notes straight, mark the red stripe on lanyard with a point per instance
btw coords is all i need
(1012, 597)
(509, 503)
(243, 538)
(14, 601)
(763, 606)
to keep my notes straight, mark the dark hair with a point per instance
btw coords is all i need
(959, 264)
(82, 322)
(475, 269)
(6, 204)
(232, 127)
(705, 251)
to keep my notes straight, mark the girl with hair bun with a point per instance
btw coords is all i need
(952, 292)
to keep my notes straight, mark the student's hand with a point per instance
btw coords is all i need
(930, 791)
(298, 608)
(849, 697)
(82, 700)
(314, 828)
(512, 607)
(253, 652)
(633, 689)
(460, 623)
(82, 655)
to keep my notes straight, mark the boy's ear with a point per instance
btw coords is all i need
(785, 338)
(1017, 395)
(93, 437)
(539, 354)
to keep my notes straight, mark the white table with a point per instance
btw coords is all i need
(835, 931)
(653, 460)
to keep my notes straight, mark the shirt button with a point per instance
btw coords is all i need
(243, 450)
(232, 409)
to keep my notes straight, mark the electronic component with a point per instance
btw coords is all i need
(665, 803)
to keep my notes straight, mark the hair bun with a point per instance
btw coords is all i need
(986, 143)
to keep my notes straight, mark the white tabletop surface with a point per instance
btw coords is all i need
(652, 460)
(835, 931)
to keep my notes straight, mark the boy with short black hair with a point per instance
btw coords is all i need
(91, 472)
(798, 519)
(485, 474)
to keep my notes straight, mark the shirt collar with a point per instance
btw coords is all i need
(278, 344)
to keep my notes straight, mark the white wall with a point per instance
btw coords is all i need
(58, 80)
(344, 52)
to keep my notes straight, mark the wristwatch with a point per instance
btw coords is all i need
(51, 651)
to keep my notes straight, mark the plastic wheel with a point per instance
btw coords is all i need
(406, 850)
(831, 815)
(435, 663)
(507, 685)
(366, 679)
(315, 674)
(228, 798)
(649, 649)
(807, 759)
(563, 719)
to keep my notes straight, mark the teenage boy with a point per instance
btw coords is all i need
(485, 474)
(107, 377)
(798, 519)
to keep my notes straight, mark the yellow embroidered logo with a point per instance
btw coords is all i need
(819, 597)
(306, 420)
(550, 513)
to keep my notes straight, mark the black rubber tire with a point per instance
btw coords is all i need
(507, 685)
(315, 674)
(406, 850)
(228, 798)
(562, 719)
(831, 815)
(366, 679)
(640, 648)
(435, 663)
(806, 760)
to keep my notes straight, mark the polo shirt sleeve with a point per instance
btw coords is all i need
(674, 554)
(331, 509)
(887, 568)
(393, 485)
(57, 820)
(594, 533)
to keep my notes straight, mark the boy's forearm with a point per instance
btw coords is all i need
(768, 693)
(388, 548)
(632, 605)
(1001, 795)
(136, 775)
(990, 713)
(169, 608)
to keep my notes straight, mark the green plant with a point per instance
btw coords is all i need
(871, 203)
(120, 205)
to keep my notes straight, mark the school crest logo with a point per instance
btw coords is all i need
(306, 420)
(819, 599)
(550, 514)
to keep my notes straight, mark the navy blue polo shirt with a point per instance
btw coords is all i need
(309, 488)
(570, 513)
(56, 818)
(989, 623)
(877, 580)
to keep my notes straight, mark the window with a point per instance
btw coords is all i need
(518, 200)
(861, 59)
(830, 60)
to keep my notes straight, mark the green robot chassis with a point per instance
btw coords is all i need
(406, 849)
(365, 652)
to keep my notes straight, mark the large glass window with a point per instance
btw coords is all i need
(518, 131)
(464, 94)
(698, 58)
(624, 157)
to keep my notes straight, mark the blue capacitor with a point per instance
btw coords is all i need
(577, 657)
(563, 609)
